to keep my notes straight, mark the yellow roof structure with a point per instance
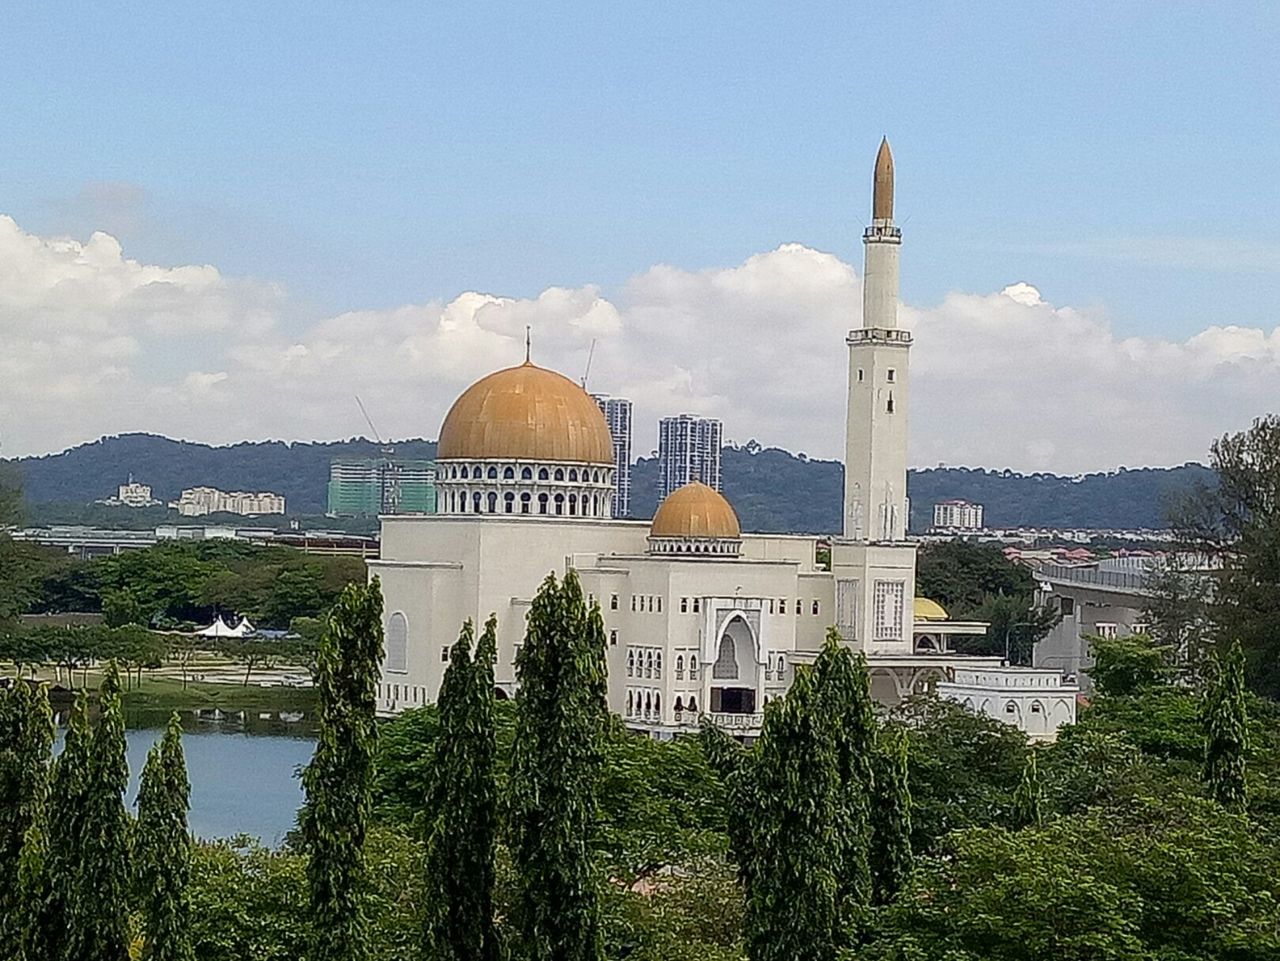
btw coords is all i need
(927, 610)
(695, 510)
(526, 413)
(882, 189)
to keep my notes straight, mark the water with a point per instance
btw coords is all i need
(243, 771)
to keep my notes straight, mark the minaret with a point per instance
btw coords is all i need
(875, 481)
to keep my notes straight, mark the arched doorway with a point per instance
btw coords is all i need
(735, 673)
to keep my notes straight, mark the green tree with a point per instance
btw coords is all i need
(339, 780)
(1225, 724)
(1127, 665)
(100, 900)
(1177, 611)
(121, 607)
(843, 697)
(54, 923)
(461, 809)
(26, 738)
(1028, 800)
(891, 854)
(163, 851)
(560, 714)
(791, 911)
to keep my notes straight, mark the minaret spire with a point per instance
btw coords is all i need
(882, 190)
(528, 343)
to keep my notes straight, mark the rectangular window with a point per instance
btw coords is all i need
(1067, 605)
(859, 375)
(847, 609)
(633, 603)
(888, 598)
(782, 605)
(613, 602)
(815, 609)
(697, 605)
(889, 375)
(444, 654)
(659, 604)
(613, 638)
(684, 605)
(799, 607)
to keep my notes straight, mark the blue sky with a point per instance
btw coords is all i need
(1120, 155)
(654, 160)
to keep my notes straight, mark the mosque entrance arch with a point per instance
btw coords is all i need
(734, 672)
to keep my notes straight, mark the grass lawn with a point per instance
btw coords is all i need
(168, 694)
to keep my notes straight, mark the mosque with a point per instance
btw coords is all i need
(702, 619)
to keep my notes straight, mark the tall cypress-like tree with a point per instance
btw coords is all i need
(339, 780)
(163, 851)
(560, 713)
(735, 767)
(791, 911)
(1028, 797)
(100, 899)
(1225, 723)
(51, 881)
(462, 809)
(26, 741)
(891, 857)
(843, 699)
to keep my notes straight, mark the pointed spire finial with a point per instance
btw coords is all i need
(528, 343)
(882, 190)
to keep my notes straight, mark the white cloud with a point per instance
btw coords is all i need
(96, 343)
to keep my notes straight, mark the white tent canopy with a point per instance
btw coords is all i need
(220, 628)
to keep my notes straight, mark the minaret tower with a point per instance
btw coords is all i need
(875, 480)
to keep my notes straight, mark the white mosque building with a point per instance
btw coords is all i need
(702, 619)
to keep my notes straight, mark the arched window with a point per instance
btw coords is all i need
(630, 701)
(595, 477)
(542, 474)
(679, 705)
(657, 665)
(465, 473)
(648, 665)
(889, 406)
(693, 665)
(631, 663)
(693, 704)
(573, 505)
(726, 664)
(1011, 708)
(679, 671)
(397, 643)
(493, 502)
(509, 474)
(509, 502)
(613, 602)
(559, 505)
(815, 608)
(475, 502)
(525, 500)
(573, 474)
(657, 706)
(559, 474)
(542, 503)
(526, 473)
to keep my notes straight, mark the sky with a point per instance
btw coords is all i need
(224, 221)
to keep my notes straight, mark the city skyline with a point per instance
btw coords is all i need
(1089, 289)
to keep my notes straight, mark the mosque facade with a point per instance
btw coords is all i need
(702, 619)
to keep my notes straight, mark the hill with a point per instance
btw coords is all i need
(772, 489)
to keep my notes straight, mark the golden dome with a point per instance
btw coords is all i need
(529, 413)
(695, 510)
(927, 610)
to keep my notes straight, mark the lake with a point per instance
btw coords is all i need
(243, 770)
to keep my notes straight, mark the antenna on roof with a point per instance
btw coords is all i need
(590, 354)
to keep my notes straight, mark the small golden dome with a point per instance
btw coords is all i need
(526, 413)
(927, 610)
(695, 510)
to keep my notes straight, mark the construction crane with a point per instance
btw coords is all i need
(590, 355)
(386, 449)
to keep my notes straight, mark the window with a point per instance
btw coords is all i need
(889, 406)
(509, 474)
(782, 605)
(659, 603)
(493, 502)
(859, 375)
(679, 669)
(397, 643)
(888, 374)
(693, 705)
(630, 704)
(782, 666)
(573, 505)
(693, 667)
(526, 473)
(493, 473)
(631, 663)
(684, 605)
(613, 602)
(657, 665)
(542, 473)
(1067, 605)
(559, 504)
(1106, 630)
(613, 638)
(815, 608)
(847, 608)
(444, 654)
(542, 503)
(465, 473)
(633, 603)
(509, 503)
(798, 607)
(697, 605)
(648, 665)
(525, 501)
(771, 605)
(726, 665)
(887, 613)
(573, 474)
(679, 705)
(559, 474)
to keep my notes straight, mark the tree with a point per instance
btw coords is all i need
(791, 912)
(891, 855)
(1235, 526)
(461, 809)
(1028, 800)
(163, 851)
(54, 923)
(1226, 730)
(26, 738)
(1177, 610)
(100, 899)
(339, 780)
(1128, 665)
(843, 696)
(560, 715)
(961, 576)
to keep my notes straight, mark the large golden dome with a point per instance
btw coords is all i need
(695, 510)
(526, 413)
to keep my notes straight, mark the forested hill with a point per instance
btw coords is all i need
(772, 490)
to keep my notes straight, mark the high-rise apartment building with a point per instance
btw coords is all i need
(381, 485)
(199, 501)
(957, 515)
(688, 450)
(617, 413)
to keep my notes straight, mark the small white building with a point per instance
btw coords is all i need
(1035, 701)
